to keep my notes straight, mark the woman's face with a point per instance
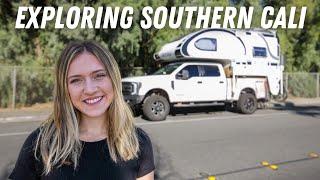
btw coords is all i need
(89, 85)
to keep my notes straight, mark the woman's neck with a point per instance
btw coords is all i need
(92, 129)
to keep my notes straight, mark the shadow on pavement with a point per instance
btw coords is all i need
(163, 164)
(305, 110)
(195, 110)
(5, 172)
(181, 111)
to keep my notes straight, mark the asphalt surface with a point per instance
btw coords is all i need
(197, 143)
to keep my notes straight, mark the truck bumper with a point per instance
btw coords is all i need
(133, 99)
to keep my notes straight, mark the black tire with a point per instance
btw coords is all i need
(155, 107)
(136, 109)
(247, 103)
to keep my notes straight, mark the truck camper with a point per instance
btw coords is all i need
(208, 67)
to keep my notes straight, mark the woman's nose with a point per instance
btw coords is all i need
(90, 87)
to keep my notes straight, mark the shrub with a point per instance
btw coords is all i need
(302, 84)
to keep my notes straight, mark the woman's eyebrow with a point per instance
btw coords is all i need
(93, 72)
(73, 76)
(99, 70)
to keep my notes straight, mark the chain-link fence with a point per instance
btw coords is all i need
(302, 84)
(25, 86)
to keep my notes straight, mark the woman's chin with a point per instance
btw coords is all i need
(94, 114)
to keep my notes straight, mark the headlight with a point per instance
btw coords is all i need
(130, 88)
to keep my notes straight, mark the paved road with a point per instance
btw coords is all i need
(224, 144)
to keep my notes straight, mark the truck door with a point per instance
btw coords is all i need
(186, 84)
(214, 83)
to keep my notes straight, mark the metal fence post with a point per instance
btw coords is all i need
(14, 80)
(287, 74)
(318, 88)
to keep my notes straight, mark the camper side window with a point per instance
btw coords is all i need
(211, 71)
(206, 44)
(259, 51)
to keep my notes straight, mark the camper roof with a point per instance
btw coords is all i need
(221, 44)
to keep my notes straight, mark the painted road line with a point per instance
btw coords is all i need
(16, 118)
(42, 117)
(210, 118)
(265, 163)
(14, 134)
(211, 178)
(273, 167)
(173, 121)
(313, 155)
(23, 118)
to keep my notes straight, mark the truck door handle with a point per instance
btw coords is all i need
(199, 82)
(221, 82)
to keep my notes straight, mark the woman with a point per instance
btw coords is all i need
(90, 134)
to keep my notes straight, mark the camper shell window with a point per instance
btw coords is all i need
(259, 52)
(206, 44)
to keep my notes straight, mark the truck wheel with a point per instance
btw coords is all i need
(155, 107)
(247, 103)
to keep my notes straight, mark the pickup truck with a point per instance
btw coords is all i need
(192, 83)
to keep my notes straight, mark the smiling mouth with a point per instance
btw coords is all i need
(93, 101)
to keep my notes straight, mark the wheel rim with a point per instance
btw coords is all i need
(249, 104)
(157, 108)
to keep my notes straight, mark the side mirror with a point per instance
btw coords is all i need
(185, 74)
(178, 75)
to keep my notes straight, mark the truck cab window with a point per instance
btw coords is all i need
(191, 69)
(168, 69)
(212, 71)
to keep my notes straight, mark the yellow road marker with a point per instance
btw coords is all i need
(211, 178)
(273, 167)
(313, 155)
(265, 163)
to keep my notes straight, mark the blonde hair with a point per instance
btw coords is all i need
(58, 142)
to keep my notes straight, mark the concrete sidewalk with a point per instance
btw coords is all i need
(25, 115)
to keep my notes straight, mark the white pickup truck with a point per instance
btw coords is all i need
(193, 78)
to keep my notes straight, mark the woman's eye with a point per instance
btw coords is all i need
(75, 81)
(100, 76)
